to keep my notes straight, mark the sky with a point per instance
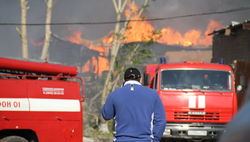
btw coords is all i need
(103, 10)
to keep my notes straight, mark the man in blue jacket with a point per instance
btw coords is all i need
(138, 111)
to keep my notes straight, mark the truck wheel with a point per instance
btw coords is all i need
(13, 139)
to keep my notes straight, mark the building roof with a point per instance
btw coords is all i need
(234, 26)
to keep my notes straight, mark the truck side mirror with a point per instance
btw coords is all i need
(146, 79)
(239, 88)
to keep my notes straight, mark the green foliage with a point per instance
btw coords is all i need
(133, 54)
(138, 53)
(118, 35)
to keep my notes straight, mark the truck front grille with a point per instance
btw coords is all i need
(187, 116)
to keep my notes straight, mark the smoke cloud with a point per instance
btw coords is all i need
(103, 10)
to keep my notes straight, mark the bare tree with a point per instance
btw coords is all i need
(23, 31)
(118, 39)
(49, 4)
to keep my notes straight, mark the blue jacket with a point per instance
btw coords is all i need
(138, 112)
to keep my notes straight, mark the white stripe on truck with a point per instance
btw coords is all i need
(33, 104)
(192, 101)
(14, 104)
(201, 101)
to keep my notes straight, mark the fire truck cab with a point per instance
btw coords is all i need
(199, 98)
(40, 102)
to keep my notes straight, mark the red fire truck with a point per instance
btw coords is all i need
(40, 102)
(199, 98)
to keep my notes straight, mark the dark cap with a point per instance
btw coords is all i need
(132, 74)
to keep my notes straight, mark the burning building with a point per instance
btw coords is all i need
(167, 43)
(93, 56)
(64, 52)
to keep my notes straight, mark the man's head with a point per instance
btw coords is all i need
(132, 74)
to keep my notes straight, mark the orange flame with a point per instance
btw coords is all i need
(137, 31)
(193, 37)
(76, 38)
(96, 64)
(142, 31)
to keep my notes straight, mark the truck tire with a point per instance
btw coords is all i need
(13, 139)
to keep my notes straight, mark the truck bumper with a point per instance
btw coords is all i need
(194, 130)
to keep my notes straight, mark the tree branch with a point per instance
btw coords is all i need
(115, 5)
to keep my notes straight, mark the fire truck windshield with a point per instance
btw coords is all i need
(195, 79)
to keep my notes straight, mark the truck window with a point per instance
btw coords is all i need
(195, 79)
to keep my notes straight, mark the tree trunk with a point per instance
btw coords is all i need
(117, 43)
(23, 32)
(44, 55)
(114, 52)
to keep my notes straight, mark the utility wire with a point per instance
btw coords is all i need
(122, 21)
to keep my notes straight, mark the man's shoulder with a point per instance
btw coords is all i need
(117, 90)
(146, 88)
(141, 88)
